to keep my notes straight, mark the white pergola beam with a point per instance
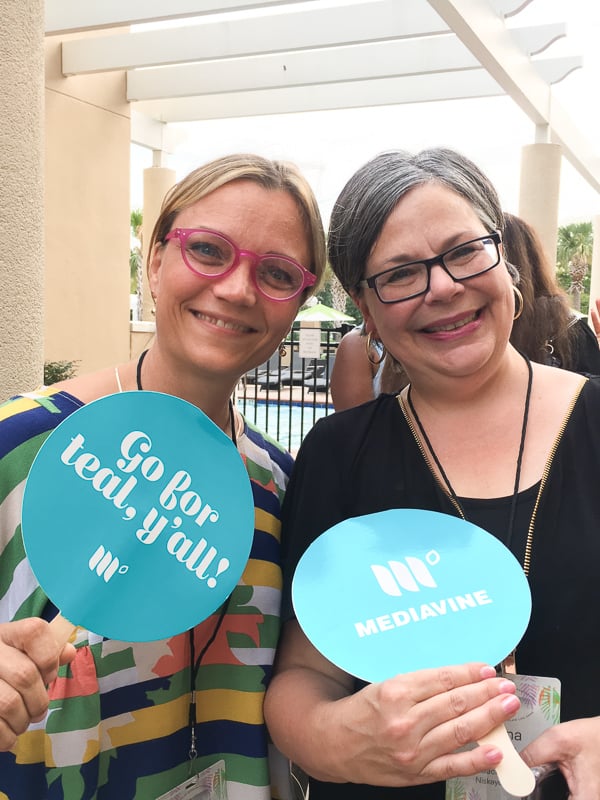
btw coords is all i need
(355, 63)
(254, 57)
(71, 16)
(375, 92)
(576, 147)
(155, 135)
(332, 65)
(554, 70)
(508, 8)
(486, 36)
(296, 30)
(533, 40)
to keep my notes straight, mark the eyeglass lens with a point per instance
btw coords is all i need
(464, 261)
(210, 254)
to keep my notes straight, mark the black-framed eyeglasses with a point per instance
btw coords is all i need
(466, 260)
(212, 255)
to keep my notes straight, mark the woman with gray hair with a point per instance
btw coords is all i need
(480, 433)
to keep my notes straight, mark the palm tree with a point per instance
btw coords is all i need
(574, 255)
(135, 257)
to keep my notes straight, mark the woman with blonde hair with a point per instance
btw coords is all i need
(237, 248)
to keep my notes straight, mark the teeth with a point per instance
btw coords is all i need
(220, 323)
(453, 325)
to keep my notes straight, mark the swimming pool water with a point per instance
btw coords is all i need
(289, 424)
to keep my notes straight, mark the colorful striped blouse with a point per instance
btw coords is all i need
(118, 725)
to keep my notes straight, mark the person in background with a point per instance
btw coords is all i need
(237, 248)
(356, 372)
(480, 432)
(362, 370)
(546, 329)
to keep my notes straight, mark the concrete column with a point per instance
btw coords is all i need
(22, 195)
(539, 192)
(87, 208)
(157, 182)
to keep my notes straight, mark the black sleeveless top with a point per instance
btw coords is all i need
(365, 460)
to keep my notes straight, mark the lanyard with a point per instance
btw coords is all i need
(194, 669)
(509, 663)
(451, 492)
(195, 663)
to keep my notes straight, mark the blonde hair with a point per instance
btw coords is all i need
(272, 175)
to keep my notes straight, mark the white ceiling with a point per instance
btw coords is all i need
(191, 60)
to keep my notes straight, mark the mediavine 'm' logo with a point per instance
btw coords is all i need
(104, 564)
(410, 574)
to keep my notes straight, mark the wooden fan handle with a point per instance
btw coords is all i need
(62, 630)
(513, 773)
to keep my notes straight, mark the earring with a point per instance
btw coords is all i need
(519, 302)
(374, 345)
(282, 350)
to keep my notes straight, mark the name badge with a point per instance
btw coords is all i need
(540, 710)
(210, 784)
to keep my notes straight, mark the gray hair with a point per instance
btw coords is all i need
(375, 189)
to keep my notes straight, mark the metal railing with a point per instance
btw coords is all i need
(288, 394)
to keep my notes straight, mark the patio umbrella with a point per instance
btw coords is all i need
(321, 313)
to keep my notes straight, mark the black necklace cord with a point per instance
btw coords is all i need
(138, 376)
(194, 670)
(513, 505)
(138, 372)
(450, 488)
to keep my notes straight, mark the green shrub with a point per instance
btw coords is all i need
(55, 371)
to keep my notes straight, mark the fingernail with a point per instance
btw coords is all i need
(510, 704)
(494, 756)
(487, 672)
(507, 687)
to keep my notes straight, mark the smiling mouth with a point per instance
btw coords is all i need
(221, 323)
(453, 325)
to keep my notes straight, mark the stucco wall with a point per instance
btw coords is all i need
(87, 210)
(21, 195)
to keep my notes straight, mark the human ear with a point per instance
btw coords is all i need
(359, 300)
(154, 268)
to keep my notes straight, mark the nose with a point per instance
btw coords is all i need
(442, 285)
(238, 286)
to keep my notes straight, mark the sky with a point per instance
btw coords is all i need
(329, 146)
